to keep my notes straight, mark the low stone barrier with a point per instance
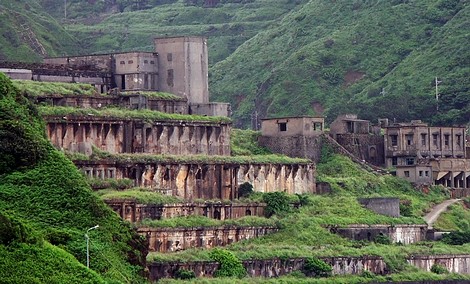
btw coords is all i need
(176, 239)
(453, 263)
(272, 267)
(405, 234)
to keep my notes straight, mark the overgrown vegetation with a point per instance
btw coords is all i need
(144, 114)
(40, 185)
(229, 264)
(201, 221)
(140, 195)
(36, 89)
(317, 267)
(245, 143)
(212, 159)
(156, 95)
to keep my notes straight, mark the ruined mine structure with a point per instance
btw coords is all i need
(135, 212)
(204, 180)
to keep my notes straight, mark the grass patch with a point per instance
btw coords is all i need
(37, 89)
(140, 195)
(155, 95)
(144, 114)
(245, 143)
(202, 221)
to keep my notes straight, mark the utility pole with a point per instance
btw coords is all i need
(65, 9)
(88, 245)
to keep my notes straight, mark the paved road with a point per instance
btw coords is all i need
(432, 216)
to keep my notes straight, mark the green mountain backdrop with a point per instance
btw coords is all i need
(288, 57)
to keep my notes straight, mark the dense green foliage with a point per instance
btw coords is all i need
(317, 267)
(229, 264)
(277, 203)
(140, 195)
(22, 141)
(439, 269)
(38, 184)
(456, 238)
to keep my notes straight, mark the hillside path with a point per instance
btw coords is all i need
(432, 216)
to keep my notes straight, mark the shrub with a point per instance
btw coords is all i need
(382, 239)
(229, 264)
(245, 189)
(456, 238)
(276, 203)
(439, 269)
(317, 267)
(184, 274)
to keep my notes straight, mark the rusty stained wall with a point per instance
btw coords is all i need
(405, 234)
(134, 212)
(454, 263)
(207, 181)
(136, 136)
(176, 239)
(298, 146)
(129, 101)
(272, 267)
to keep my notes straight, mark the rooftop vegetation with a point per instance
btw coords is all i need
(36, 89)
(201, 221)
(156, 95)
(140, 195)
(144, 114)
(197, 159)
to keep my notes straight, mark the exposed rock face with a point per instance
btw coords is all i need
(176, 239)
(134, 212)
(207, 181)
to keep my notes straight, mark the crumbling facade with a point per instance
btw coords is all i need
(428, 155)
(293, 136)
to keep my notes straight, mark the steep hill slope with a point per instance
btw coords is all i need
(46, 206)
(27, 33)
(338, 56)
(227, 25)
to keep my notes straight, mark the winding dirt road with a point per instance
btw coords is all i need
(432, 216)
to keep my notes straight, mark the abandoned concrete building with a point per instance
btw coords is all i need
(421, 154)
(428, 155)
(293, 136)
(178, 66)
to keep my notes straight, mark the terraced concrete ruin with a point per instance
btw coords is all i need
(178, 145)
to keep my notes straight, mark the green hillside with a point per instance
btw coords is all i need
(332, 57)
(227, 25)
(27, 33)
(46, 206)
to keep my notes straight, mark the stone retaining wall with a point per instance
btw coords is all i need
(405, 234)
(272, 267)
(454, 263)
(176, 239)
(134, 212)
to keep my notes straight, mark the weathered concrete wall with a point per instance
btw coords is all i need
(272, 267)
(366, 147)
(454, 263)
(138, 136)
(136, 101)
(211, 109)
(176, 239)
(294, 146)
(206, 181)
(405, 234)
(389, 206)
(134, 212)
(183, 67)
